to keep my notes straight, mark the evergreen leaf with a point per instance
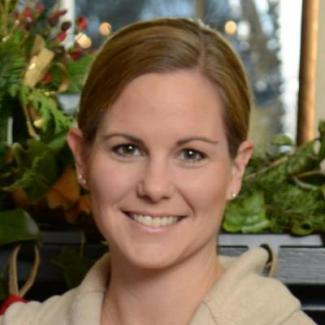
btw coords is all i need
(36, 169)
(77, 71)
(54, 120)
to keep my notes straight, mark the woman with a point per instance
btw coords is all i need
(162, 146)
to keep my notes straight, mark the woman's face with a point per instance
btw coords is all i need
(159, 171)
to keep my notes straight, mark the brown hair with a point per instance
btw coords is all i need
(165, 45)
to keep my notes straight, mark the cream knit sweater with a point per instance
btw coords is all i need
(241, 297)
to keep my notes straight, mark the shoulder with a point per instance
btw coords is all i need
(244, 296)
(79, 306)
(52, 311)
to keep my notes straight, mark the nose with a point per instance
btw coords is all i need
(155, 184)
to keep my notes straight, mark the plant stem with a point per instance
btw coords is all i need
(305, 185)
(310, 173)
(265, 169)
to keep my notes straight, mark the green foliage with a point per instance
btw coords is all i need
(17, 225)
(283, 192)
(35, 68)
(36, 169)
(75, 70)
(12, 62)
(54, 121)
(321, 130)
(12, 65)
(303, 159)
(248, 215)
(282, 140)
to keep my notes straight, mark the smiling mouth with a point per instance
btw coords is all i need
(154, 221)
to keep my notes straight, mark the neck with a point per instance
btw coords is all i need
(169, 296)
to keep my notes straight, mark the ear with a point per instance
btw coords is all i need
(244, 154)
(77, 145)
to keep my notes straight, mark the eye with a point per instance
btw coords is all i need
(126, 150)
(192, 155)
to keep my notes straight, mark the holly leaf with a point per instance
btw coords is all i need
(247, 215)
(17, 225)
(73, 265)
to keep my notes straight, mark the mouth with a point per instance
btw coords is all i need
(154, 221)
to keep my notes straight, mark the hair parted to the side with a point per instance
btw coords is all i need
(166, 45)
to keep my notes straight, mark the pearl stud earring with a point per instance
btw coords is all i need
(82, 180)
(233, 195)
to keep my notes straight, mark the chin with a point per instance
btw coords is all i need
(148, 258)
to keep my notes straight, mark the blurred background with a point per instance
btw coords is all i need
(266, 33)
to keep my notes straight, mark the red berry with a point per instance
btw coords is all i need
(27, 13)
(75, 54)
(82, 23)
(61, 36)
(47, 78)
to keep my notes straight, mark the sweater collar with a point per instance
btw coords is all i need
(238, 297)
(87, 306)
(243, 296)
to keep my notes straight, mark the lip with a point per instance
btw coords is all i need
(154, 214)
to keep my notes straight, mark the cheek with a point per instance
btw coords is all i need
(110, 181)
(207, 193)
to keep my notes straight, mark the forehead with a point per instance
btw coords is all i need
(182, 100)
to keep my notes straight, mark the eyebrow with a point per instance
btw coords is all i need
(204, 139)
(123, 135)
(179, 142)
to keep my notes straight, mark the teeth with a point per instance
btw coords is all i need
(154, 222)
